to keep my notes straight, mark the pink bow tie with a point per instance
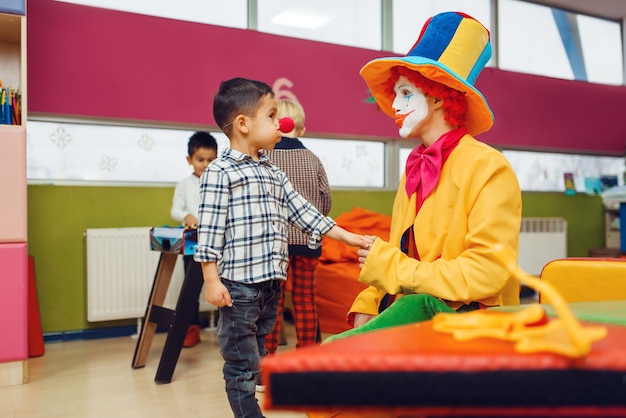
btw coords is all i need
(423, 167)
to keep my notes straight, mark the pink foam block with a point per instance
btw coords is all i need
(13, 302)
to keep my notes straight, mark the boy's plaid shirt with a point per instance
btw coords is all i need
(245, 209)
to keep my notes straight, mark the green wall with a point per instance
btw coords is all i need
(57, 219)
(584, 215)
(59, 215)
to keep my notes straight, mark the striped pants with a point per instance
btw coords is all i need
(301, 277)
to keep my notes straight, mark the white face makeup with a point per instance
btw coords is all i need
(410, 105)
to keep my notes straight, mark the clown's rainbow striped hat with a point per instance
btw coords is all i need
(452, 49)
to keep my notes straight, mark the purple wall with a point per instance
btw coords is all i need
(96, 63)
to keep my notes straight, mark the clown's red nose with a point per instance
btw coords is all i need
(286, 125)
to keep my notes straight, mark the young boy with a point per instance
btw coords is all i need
(201, 151)
(307, 174)
(246, 207)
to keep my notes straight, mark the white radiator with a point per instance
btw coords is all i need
(120, 272)
(541, 240)
(121, 266)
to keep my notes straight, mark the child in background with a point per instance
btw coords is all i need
(246, 207)
(201, 151)
(307, 174)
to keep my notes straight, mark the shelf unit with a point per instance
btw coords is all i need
(13, 210)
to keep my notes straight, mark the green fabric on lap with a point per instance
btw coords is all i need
(405, 310)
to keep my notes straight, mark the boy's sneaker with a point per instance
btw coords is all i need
(193, 336)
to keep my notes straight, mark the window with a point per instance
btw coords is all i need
(531, 41)
(350, 163)
(104, 154)
(231, 13)
(69, 152)
(97, 154)
(346, 22)
(544, 171)
(409, 17)
(602, 50)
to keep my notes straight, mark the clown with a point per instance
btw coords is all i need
(458, 199)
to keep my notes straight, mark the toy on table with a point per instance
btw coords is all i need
(174, 239)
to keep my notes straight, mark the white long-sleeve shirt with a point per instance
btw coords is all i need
(186, 198)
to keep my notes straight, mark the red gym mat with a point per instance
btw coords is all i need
(415, 370)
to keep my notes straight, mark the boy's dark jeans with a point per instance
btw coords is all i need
(241, 331)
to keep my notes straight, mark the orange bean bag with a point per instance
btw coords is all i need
(338, 270)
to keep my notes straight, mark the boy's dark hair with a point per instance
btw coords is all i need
(201, 139)
(238, 96)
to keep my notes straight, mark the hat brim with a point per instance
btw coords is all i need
(377, 72)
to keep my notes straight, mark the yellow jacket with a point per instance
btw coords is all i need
(476, 205)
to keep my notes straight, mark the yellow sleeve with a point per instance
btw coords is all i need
(366, 302)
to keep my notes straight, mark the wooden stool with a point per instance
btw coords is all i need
(176, 321)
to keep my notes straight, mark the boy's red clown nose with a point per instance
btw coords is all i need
(286, 125)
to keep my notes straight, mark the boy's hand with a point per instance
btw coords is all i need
(350, 238)
(216, 294)
(362, 252)
(214, 291)
(357, 240)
